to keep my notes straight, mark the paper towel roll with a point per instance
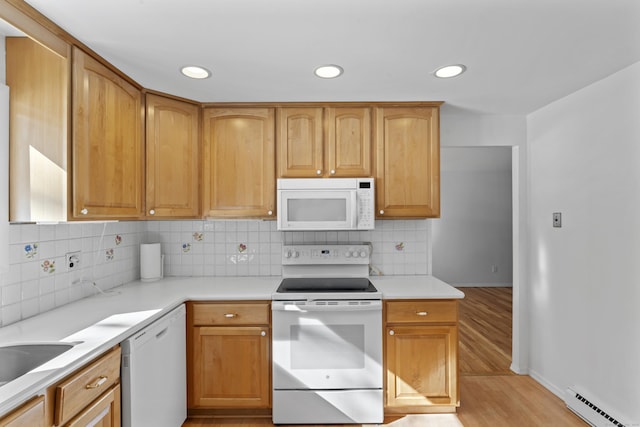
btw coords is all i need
(151, 262)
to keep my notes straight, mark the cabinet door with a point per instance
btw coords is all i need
(230, 367)
(31, 414)
(239, 162)
(173, 158)
(300, 144)
(407, 162)
(107, 148)
(348, 142)
(421, 366)
(104, 412)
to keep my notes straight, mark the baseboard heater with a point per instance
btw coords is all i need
(589, 411)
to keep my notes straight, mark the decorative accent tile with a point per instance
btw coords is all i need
(242, 247)
(110, 255)
(118, 239)
(48, 266)
(198, 237)
(186, 247)
(400, 247)
(31, 250)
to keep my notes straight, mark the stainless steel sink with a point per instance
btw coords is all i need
(17, 360)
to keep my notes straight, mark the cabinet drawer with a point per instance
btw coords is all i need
(30, 414)
(86, 385)
(422, 311)
(231, 314)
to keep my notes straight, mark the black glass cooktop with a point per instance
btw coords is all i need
(326, 284)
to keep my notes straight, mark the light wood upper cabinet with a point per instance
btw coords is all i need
(407, 162)
(38, 130)
(107, 147)
(300, 145)
(239, 162)
(324, 142)
(173, 158)
(348, 141)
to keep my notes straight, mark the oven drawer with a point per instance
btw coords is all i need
(231, 313)
(422, 311)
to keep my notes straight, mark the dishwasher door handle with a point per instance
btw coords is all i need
(162, 333)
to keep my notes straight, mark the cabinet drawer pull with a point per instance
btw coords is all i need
(230, 315)
(97, 384)
(381, 212)
(263, 333)
(84, 211)
(152, 212)
(318, 172)
(421, 313)
(333, 172)
(392, 332)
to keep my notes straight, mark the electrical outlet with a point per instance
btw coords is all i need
(73, 260)
(494, 268)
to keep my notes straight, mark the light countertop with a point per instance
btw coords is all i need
(103, 321)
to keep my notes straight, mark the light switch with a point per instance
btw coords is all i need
(557, 219)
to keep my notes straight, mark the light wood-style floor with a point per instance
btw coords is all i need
(485, 331)
(491, 395)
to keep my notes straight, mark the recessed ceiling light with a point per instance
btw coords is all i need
(449, 71)
(328, 71)
(195, 72)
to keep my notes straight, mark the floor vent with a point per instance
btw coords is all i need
(588, 411)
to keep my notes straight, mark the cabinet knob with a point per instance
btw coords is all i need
(318, 172)
(84, 211)
(392, 332)
(381, 212)
(230, 315)
(421, 313)
(333, 171)
(152, 212)
(263, 333)
(270, 213)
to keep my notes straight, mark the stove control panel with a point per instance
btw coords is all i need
(325, 254)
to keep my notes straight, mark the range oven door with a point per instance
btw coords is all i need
(327, 345)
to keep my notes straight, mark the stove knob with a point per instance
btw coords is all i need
(363, 254)
(347, 254)
(287, 254)
(296, 254)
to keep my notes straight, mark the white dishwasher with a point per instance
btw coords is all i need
(154, 378)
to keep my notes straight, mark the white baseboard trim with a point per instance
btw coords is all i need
(482, 285)
(546, 384)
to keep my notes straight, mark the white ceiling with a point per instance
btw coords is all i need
(520, 54)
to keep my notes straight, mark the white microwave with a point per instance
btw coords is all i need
(325, 204)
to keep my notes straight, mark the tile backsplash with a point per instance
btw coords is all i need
(39, 280)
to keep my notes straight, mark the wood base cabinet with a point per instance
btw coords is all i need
(421, 357)
(229, 354)
(31, 414)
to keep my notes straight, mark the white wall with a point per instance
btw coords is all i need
(473, 237)
(584, 161)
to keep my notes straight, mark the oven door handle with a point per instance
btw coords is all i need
(294, 308)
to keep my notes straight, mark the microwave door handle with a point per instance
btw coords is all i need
(354, 210)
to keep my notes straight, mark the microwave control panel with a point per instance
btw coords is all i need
(365, 203)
